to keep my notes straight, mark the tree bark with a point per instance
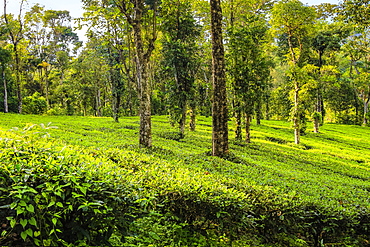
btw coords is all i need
(182, 121)
(145, 138)
(192, 123)
(220, 143)
(238, 122)
(267, 116)
(366, 110)
(316, 124)
(135, 19)
(18, 78)
(259, 111)
(248, 119)
(296, 119)
(98, 103)
(46, 75)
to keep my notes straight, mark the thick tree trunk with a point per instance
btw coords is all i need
(145, 138)
(6, 109)
(142, 60)
(248, 119)
(220, 141)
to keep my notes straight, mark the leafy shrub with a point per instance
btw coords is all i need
(34, 104)
(176, 136)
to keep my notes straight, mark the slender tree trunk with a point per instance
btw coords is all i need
(248, 119)
(47, 89)
(296, 119)
(296, 113)
(259, 111)
(98, 104)
(267, 116)
(16, 37)
(220, 141)
(18, 79)
(115, 97)
(116, 104)
(238, 122)
(6, 109)
(366, 110)
(192, 123)
(182, 121)
(316, 124)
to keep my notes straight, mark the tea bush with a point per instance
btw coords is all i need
(87, 182)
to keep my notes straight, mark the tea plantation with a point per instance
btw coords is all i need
(84, 181)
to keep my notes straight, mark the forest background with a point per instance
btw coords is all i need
(284, 60)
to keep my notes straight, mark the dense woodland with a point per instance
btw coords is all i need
(283, 60)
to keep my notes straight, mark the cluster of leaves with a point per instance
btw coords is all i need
(175, 195)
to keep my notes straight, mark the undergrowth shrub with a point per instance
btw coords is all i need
(34, 104)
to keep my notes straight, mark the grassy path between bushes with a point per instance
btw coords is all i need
(313, 194)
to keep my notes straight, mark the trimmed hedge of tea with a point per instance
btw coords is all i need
(56, 192)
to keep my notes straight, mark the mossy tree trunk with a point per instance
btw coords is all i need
(135, 17)
(220, 143)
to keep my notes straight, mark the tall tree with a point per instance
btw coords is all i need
(135, 12)
(291, 19)
(248, 68)
(357, 48)
(357, 13)
(5, 57)
(179, 59)
(220, 134)
(111, 34)
(16, 34)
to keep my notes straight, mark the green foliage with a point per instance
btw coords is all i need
(248, 65)
(34, 104)
(317, 116)
(180, 58)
